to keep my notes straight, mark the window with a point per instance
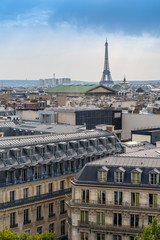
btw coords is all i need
(62, 207)
(51, 227)
(153, 200)
(100, 218)
(136, 178)
(24, 175)
(39, 213)
(85, 196)
(26, 216)
(11, 177)
(63, 223)
(102, 176)
(62, 185)
(25, 193)
(49, 170)
(100, 236)
(117, 237)
(150, 219)
(37, 172)
(132, 238)
(12, 196)
(101, 197)
(38, 190)
(118, 177)
(39, 230)
(84, 236)
(13, 220)
(117, 219)
(135, 199)
(84, 217)
(118, 196)
(134, 221)
(50, 187)
(153, 178)
(50, 209)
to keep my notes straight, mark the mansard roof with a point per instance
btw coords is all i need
(145, 166)
(32, 158)
(20, 141)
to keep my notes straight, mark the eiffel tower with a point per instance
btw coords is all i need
(106, 75)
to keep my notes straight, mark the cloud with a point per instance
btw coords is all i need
(133, 17)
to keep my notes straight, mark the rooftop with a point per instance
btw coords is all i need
(71, 88)
(19, 141)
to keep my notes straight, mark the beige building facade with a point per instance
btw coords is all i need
(113, 199)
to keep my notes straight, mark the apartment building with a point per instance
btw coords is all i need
(35, 176)
(114, 198)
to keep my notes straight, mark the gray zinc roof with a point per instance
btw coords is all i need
(47, 138)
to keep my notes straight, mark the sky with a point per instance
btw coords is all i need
(39, 38)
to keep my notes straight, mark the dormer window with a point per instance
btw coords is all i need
(154, 176)
(40, 149)
(52, 147)
(102, 174)
(28, 151)
(136, 176)
(3, 155)
(17, 153)
(119, 175)
(63, 146)
(74, 145)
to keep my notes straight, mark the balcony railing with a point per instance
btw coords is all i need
(40, 218)
(63, 212)
(109, 204)
(35, 198)
(27, 222)
(14, 225)
(110, 228)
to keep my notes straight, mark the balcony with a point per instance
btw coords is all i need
(63, 212)
(52, 215)
(111, 205)
(27, 222)
(14, 225)
(39, 218)
(35, 198)
(110, 228)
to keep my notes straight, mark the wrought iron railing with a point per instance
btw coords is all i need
(35, 198)
(111, 204)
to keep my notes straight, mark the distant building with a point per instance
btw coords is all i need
(137, 122)
(61, 92)
(51, 82)
(150, 135)
(90, 117)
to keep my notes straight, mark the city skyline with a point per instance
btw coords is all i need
(39, 38)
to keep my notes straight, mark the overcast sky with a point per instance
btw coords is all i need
(67, 37)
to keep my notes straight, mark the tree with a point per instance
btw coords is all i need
(151, 232)
(9, 234)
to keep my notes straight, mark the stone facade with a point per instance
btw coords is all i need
(116, 205)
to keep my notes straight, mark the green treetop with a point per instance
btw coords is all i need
(151, 232)
(9, 234)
